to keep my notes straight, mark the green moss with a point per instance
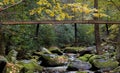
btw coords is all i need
(55, 50)
(73, 49)
(30, 66)
(94, 57)
(82, 72)
(105, 64)
(86, 57)
(83, 58)
(11, 57)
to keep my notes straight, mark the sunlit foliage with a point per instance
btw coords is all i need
(56, 10)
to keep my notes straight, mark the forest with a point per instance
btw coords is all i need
(59, 36)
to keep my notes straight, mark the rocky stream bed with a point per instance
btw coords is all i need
(67, 60)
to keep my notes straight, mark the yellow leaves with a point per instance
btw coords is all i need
(53, 8)
(114, 27)
(8, 2)
(39, 10)
(86, 10)
(1, 3)
(32, 12)
(63, 15)
(36, 10)
(50, 13)
(53, 1)
(42, 2)
(12, 1)
(78, 7)
(99, 15)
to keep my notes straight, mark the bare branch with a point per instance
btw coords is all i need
(11, 5)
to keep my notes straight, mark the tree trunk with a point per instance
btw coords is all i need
(107, 30)
(96, 29)
(118, 46)
(76, 37)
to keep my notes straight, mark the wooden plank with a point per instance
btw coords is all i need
(60, 22)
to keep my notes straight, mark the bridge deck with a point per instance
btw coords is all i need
(60, 22)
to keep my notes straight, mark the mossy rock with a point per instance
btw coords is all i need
(73, 49)
(79, 65)
(11, 57)
(55, 50)
(83, 58)
(95, 57)
(102, 63)
(30, 66)
(48, 60)
(81, 72)
(86, 57)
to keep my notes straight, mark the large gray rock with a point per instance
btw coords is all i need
(52, 60)
(79, 65)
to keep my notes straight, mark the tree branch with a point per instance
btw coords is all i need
(115, 5)
(11, 6)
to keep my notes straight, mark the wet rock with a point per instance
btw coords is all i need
(43, 49)
(55, 50)
(3, 63)
(49, 60)
(79, 65)
(85, 71)
(93, 49)
(71, 72)
(59, 69)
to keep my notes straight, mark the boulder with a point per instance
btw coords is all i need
(55, 50)
(79, 65)
(105, 64)
(86, 57)
(29, 66)
(52, 60)
(11, 57)
(80, 50)
(58, 69)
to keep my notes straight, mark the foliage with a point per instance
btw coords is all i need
(54, 9)
(64, 34)
(114, 31)
(47, 35)
(85, 34)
